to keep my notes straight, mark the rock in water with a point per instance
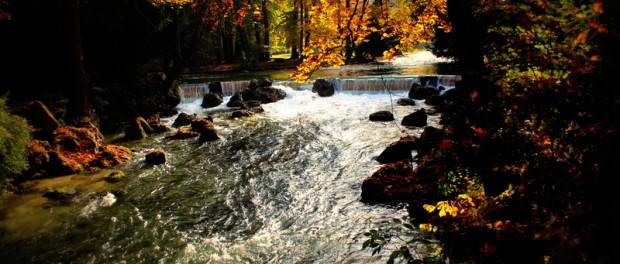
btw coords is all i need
(216, 87)
(211, 100)
(60, 193)
(241, 113)
(391, 183)
(138, 129)
(323, 88)
(382, 116)
(182, 133)
(115, 176)
(262, 91)
(399, 150)
(206, 129)
(417, 119)
(258, 83)
(422, 92)
(264, 94)
(405, 101)
(182, 120)
(236, 101)
(156, 157)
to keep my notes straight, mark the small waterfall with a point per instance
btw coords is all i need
(372, 84)
(193, 91)
(230, 88)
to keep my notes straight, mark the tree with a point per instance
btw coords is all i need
(80, 106)
(338, 27)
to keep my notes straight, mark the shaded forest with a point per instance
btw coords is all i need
(524, 170)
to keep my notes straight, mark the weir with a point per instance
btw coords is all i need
(194, 91)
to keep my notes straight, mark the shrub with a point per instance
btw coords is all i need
(14, 141)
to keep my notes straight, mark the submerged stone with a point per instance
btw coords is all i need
(60, 193)
(115, 176)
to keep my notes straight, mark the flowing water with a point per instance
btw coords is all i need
(282, 186)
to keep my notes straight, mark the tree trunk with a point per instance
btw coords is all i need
(79, 103)
(293, 33)
(227, 42)
(266, 56)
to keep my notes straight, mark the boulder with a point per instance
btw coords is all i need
(236, 101)
(208, 135)
(38, 157)
(153, 119)
(399, 150)
(252, 103)
(216, 88)
(434, 99)
(257, 109)
(182, 133)
(160, 128)
(391, 183)
(83, 139)
(429, 81)
(138, 129)
(110, 156)
(405, 101)
(382, 116)
(323, 88)
(206, 129)
(263, 94)
(199, 124)
(417, 119)
(261, 90)
(61, 165)
(258, 83)
(41, 119)
(182, 120)
(420, 92)
(211, 100)
(429, 139)
(156, 157)
(241, 113)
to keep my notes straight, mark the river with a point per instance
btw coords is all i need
(282, 186)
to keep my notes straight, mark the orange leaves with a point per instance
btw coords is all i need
(336, 24)
(597, 7)
(445, 144)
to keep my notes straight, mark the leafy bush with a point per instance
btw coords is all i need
(14, 141)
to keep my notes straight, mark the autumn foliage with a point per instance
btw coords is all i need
(529, 165)
(337, 26)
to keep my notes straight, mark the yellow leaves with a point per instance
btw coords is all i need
(445, 208)
(451, 208)
(427, 228)
(170, 3)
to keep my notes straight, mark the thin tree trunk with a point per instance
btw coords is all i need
(266, 56)
(79, 106)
